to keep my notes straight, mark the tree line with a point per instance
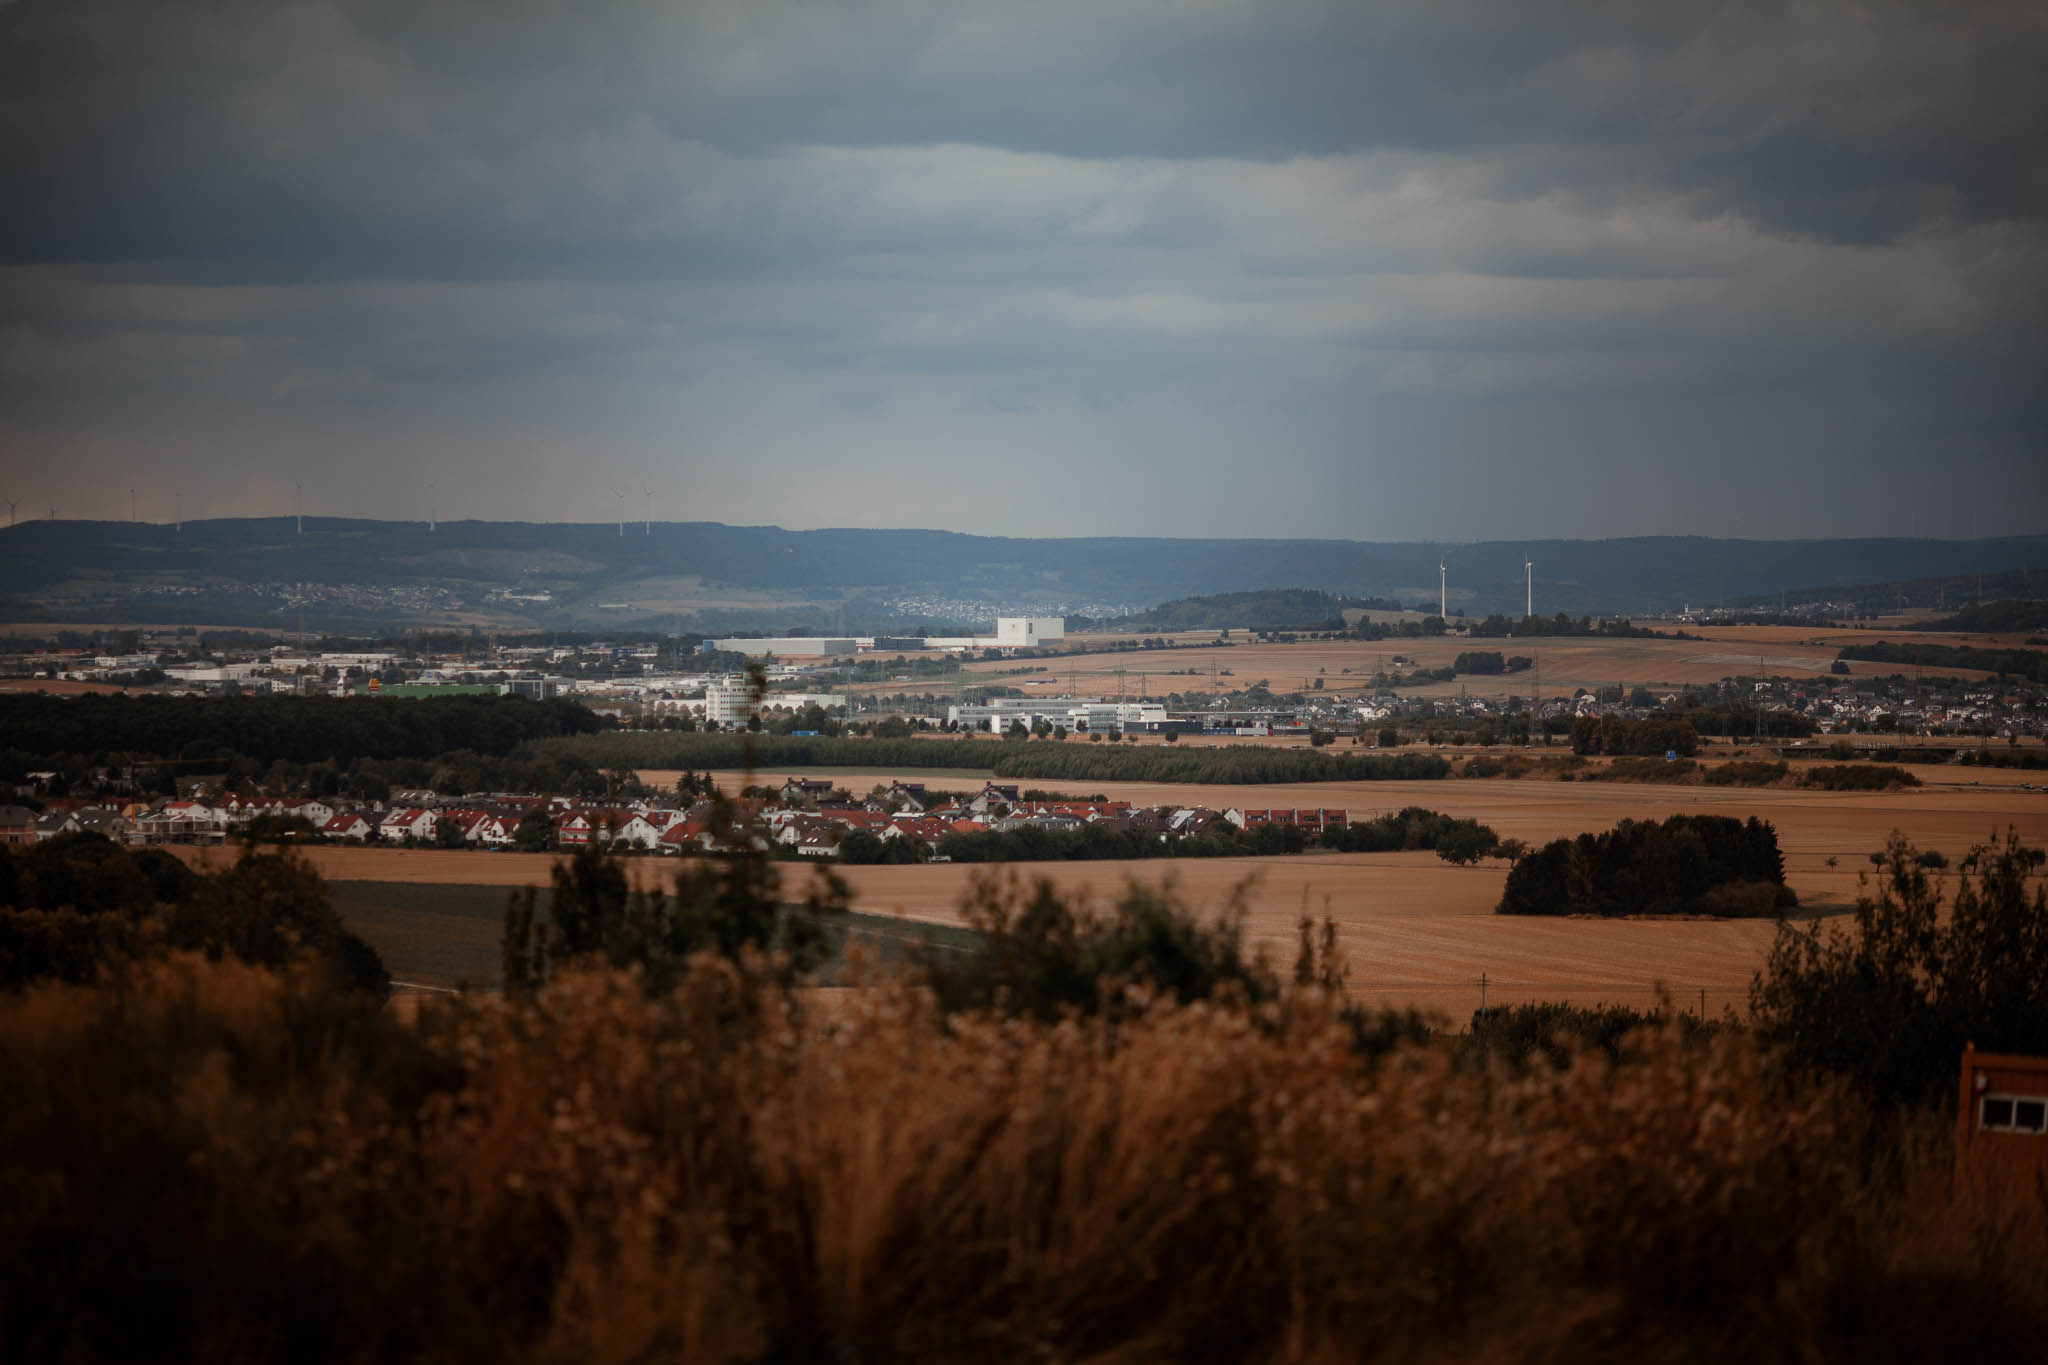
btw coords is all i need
(1246, 764)
(1497, 626)
(51, 729)
(2031, 664)
(1620, 736)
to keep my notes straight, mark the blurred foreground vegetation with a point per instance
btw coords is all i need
(1107, 1133)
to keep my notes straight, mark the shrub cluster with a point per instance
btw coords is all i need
(1892, 1003)
(1744, 772)
(1642, 769)
(1857, 777)
(1617, 736)
(79, 906)
(1686, 865)
(1413, 827)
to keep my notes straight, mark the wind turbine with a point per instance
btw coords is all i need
(646, 510)
(10, 513)
(178, 502)
(433, 505)
(1443, 592)
(301, 488)
(620, 494)
(131, 506)
(1529, 588)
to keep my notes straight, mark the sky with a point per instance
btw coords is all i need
(1381, 270)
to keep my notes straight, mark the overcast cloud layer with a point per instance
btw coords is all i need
(1392, 270)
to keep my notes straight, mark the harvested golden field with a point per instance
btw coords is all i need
(66, 687)
(1562, 664)
(1420, 931)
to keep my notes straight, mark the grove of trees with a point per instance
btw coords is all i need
(1685, 865)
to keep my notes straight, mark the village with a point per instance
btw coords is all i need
(804, 818)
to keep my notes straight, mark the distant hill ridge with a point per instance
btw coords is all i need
(588, 570)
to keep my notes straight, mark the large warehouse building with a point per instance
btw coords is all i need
(1012, 632)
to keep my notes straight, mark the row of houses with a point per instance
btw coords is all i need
(811, 819)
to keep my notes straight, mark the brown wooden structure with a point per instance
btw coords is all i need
(2002, 1117)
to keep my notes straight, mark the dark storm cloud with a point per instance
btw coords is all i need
(412, 133)
(1416, 248)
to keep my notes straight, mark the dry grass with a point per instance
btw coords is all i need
(233, 1169)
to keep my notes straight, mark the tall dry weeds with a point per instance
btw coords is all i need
(211, 1160)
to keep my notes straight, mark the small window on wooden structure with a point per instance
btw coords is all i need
(2013, 1114)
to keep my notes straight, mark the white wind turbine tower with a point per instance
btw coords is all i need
(433, 504)
(646, 510)
(300, 487)
(621, 496)
(1443, 592)
(1529, 588)
(131, 506)
(178, 506)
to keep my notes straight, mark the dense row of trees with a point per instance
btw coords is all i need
(296, 729)
(1619, 736)
(1686, 865)
(1498, 626)
(1092, 842)
(1428, 627)
(2031, 664)
(1066, 762)
(2007, 617)
(1739, 720)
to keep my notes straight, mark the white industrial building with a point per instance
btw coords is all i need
(1012, 632)
(790, 646)
(727, 704)
(1076, 713)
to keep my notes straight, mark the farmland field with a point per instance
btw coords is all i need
(1562, 663)
(1418, 931)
